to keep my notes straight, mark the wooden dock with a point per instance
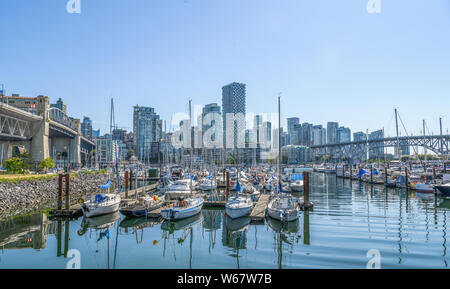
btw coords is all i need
(258, 213)
(75, 209)
(74, 212)
(215, 204)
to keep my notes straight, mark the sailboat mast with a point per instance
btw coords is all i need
(279, 137)
(398, 139)
(190, 145)
(424, 148)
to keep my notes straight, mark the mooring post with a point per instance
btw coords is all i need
(126, 184)
(385, 176)
(306, 188)
(60, 191)
(228, 185)
(371, 173)
(406, 177)
(434, 173)
(359, 173)
(67, 192)
(66, 238)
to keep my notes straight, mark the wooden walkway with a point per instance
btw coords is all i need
(259, 211)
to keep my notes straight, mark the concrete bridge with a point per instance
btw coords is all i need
(439, 144)
(50, 133)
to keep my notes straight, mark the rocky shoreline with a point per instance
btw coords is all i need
(30, 195)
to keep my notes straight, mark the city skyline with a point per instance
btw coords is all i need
(324, 72)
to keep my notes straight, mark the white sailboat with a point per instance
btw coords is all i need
(239, 206)
(282, 206)
(105, 203)
(183, 209)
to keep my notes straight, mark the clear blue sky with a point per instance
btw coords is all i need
(331, 60)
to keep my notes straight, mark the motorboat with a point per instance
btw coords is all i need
(183, 209)
(239, 206)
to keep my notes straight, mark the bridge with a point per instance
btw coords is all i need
(50, 133)
(439, 144)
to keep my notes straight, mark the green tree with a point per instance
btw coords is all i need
(14, 165)
(46, 164)
(231, 160)
(130, 154)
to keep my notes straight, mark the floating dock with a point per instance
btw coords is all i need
(258, 213)
(74, 212)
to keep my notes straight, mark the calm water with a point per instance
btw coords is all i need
(409, 230)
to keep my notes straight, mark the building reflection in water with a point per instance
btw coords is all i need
(25, 232)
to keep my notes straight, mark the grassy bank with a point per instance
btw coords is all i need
(15, 178)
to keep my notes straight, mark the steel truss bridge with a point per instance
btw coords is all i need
(439, 144)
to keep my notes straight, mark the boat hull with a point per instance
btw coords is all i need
(290, 216)
(173, 214)
(445, 190)
(235, 213)
(296, 187)
(90, 211)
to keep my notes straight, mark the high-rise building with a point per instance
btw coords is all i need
(267, 126)
(61, 105)
(376, 150)
(233, 105)
(119, 134)
(296, 137)
(344, 134)
(147, 128)
(359, 136)
(307, 134)
(332, 128)
(319, 135)
(208, 120)
(86, 127)
(291, 123)
(95, 134)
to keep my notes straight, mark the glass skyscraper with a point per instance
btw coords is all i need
(147, 128)
(233, 102)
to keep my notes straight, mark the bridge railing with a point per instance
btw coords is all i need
(60, 117)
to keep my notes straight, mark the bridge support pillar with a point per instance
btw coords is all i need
(40, 140)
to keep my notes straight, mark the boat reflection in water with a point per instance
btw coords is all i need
(138, 224)
(212, 221)
(185, 227)
(98, 223)
(284, 232)
(234, 235)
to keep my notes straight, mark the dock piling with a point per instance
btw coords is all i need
(67, 192)
(60, 191)
(306, 187)
(126, 184)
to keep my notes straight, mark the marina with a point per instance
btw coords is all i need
(348, 219)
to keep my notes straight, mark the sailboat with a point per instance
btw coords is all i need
(239, 206)
(105, 203)
(185, 207)
(282, 206)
